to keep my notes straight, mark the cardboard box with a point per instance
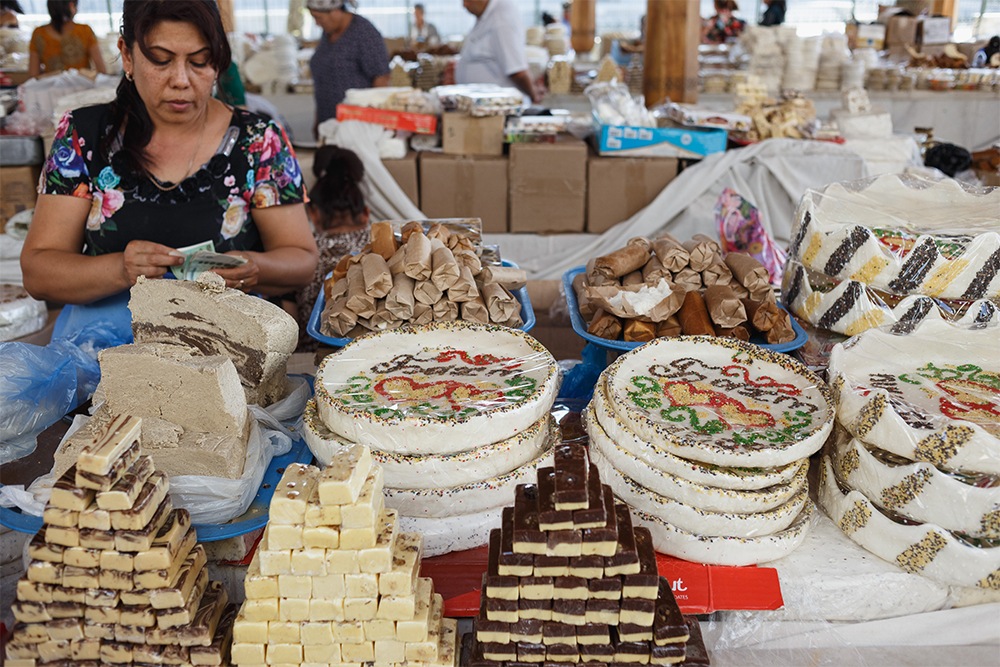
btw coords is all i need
(618, 188)
(901, 30)
(871, 35)
(406, 174)
(934, 30)
(548, 187)
(17, 190)
(623, 141)
(417, 123)
(466, 135)
(453, 186)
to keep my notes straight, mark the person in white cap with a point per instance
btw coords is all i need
(351, 54)
(494, 50)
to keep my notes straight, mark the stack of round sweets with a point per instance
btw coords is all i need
(708, 440)
(659, 288)
(914, 475)
(116, 576)
(419, 278)
(335, 581)
(570, 580)
(456, 414)
(894, 250)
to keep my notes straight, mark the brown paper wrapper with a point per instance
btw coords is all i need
(334, 289)
(584, 304)
(637, 331)
(445, 272)
(399, 301)
(654, 270)
(470, 259)
(605, 325)
(396, 263)
(427, 292)
(634, 278)
(762, 315)
(383, 319)
(476, 311)
(445, 311)
(709, 241)
(337, 318)
(717, 273)
(340, 271)
(383, 240)
(501, 304)
(694, 317)
(672, 254)
(458, 243)
(668, 327)
(417, 262)
(594, 278)
(642, 241)
(464, 288)
(739, 332)
(422, 313)
(701, 255)
(622, 261)
(439, 231)
(602, 297)
(409, 229)
(688, 280)
(514, 322)
(378, 279)
(750, 273)
(782, 331)
(739, 290)
(358, 300)
(725, 309)
(508, 276)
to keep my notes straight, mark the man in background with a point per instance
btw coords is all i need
(494, 50)
(422, 32)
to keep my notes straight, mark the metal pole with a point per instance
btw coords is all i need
(111, 19)
(538, 12)
(409, 18)
(979, 19)
(267, 19)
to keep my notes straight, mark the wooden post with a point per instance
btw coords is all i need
(582, 18)
(228, 19)
(670, 65)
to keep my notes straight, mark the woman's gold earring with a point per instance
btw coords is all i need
(128, 76)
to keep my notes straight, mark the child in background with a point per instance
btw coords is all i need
(339, 218)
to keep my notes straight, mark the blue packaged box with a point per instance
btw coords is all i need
(686, 142)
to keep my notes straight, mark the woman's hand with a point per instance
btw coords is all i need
(242, 277)
(145, 258)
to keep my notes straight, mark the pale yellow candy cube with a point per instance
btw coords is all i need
(273, 563)
(379, 557)
(320, 537)
(427, 650)
(330, 586)
(361, 585)
(288, 505)
(363, 652)
(257, 585)
(448, 644)
(348, 632)
(316, 632)
(247, 654)
(369, 504)
(310, 562)
(294, 586)
(357, 538)
(321, 609)
(282, 632)
(378, 629)
(293, 609)
(318, 514)
(388, 651)
(246, 631)
(261, 609)
(284, 536)
(415, 629)
(360, 609)
(396, 608)
(284, 653)
(406, 555)
(342, 561)
(325, 654)
(340, 483)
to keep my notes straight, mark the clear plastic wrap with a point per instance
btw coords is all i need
(20, 314)
(613, 104)
(436, 389)
(903, 234)
(479, 99)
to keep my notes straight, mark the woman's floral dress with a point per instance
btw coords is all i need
(254, 167)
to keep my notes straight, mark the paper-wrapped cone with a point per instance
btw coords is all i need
(671, 253)
(378, 279)
(399, 301)
(337, 318)
(465, 288)
(605, 325)
(358, 300)
(418, 257)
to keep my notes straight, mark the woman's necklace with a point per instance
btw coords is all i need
(187, 173)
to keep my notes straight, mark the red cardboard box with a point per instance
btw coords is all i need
(393, 120)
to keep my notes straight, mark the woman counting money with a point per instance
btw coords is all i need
(165, 166)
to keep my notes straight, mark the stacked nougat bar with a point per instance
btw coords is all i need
(570, 580)
(334, 581)
(116, 576)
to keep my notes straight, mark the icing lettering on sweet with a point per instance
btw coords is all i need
(479, 365)
(964, 392)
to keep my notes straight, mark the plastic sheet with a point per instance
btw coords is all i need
(502, 102)
(494, 382)
(613, 104)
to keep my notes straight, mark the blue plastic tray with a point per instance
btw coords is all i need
(312, 327)
(580, 325)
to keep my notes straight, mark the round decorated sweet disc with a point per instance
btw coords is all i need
(932, 395)
(721, 401)
(437, 388)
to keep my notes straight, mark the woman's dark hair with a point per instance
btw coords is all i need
(11, 6)
(59, 13)
(339, 173)
(139, 17)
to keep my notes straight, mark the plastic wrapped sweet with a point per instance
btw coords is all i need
(20, 314)
(480, 99)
